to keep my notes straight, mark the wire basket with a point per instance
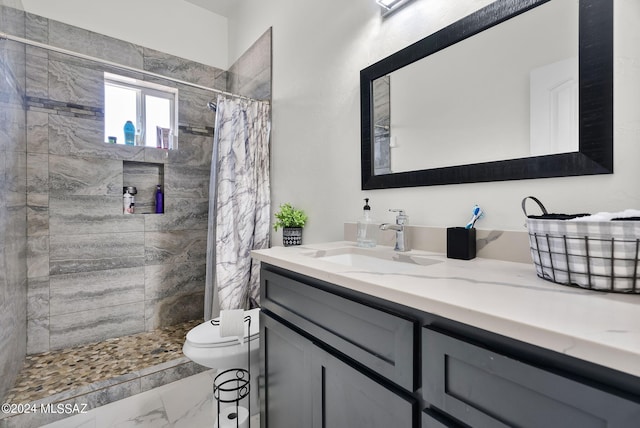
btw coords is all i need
(597, 255)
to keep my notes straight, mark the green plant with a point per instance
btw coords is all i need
(289, 216)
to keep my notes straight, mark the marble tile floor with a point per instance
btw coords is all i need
(186, 403)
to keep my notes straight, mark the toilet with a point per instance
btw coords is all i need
(206, 347)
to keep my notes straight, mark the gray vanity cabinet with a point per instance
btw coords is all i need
(336, 358)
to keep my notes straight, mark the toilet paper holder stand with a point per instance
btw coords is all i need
(232, 385)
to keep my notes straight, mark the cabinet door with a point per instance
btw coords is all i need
(286, 367)
(344, 397)
(485, 389)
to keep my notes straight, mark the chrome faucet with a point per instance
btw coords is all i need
(402, 241)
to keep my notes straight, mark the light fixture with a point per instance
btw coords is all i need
(389, 6)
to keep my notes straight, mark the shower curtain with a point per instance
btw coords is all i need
(239, 204)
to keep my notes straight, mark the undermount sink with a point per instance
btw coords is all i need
(374, 260)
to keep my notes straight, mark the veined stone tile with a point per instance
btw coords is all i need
(84, 176)
(179, 214)
(3, 184)
(38, 298)
(86, 253)
(37, 28)
(173, 310)
(12, 128)
(15, 219)
(37, 132)
(37, 76)
(38, 173)
(186, 181)
(74, 84)
(37, 214)
(250, 75)
(172, 374)
(15, 273)
(37, 256)
(12, 57)
(259, 86)
(93, 44)
(96, 324)
(195, 150)
(94, 290)
(167, 280)
(74, 136)
(16, 179)
(193, 107)
(78, 215)
(12, 21)
(179, 68)
(154, 155)
(37, 335)
(12, 64)
(175, 247)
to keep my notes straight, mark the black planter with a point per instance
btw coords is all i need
(291, 236)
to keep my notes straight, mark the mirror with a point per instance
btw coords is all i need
(492, 88)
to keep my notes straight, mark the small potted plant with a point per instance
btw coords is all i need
(291, 220)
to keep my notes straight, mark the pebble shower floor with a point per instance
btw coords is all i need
(57, 371)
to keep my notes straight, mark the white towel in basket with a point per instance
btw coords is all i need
(604, 216)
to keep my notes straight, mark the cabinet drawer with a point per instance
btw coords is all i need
(486, 389)
(378, 340)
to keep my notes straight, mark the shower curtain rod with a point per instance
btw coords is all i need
(6, 36)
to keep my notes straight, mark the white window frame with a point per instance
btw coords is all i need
(143, 88)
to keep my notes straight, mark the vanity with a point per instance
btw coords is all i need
(374, 338)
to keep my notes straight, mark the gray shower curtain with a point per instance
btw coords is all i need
(239, 204)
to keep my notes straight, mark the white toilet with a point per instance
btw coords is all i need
(206, 347)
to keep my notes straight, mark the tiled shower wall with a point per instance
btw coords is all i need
(250, 75)
(94, 273)
(13, 239)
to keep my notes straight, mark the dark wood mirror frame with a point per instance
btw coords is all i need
(595, 155)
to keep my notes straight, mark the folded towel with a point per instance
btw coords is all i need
(604, 216)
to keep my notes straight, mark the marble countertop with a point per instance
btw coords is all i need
(502, 297)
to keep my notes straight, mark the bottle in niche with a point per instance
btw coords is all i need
(129, 133)
(367, 228)
(159, 200)
(128, 199)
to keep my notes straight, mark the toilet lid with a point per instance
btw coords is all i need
(207, 334)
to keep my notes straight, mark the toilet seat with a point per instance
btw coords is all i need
(207, 335)
(204, 346)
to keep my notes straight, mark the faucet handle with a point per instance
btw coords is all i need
(402, 216)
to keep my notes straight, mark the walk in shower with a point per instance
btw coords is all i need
(81, 284)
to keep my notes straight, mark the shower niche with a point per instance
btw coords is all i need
(145, 177)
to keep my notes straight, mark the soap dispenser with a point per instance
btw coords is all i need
(367, 232)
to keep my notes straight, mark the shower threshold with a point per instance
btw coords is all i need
(89, 376)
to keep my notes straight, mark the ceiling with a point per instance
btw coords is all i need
(221, 7)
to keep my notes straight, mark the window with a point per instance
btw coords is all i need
(148, 106)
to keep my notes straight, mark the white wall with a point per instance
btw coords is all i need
(319, 49)
(176, 27)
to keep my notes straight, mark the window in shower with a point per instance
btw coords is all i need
(151, 108)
